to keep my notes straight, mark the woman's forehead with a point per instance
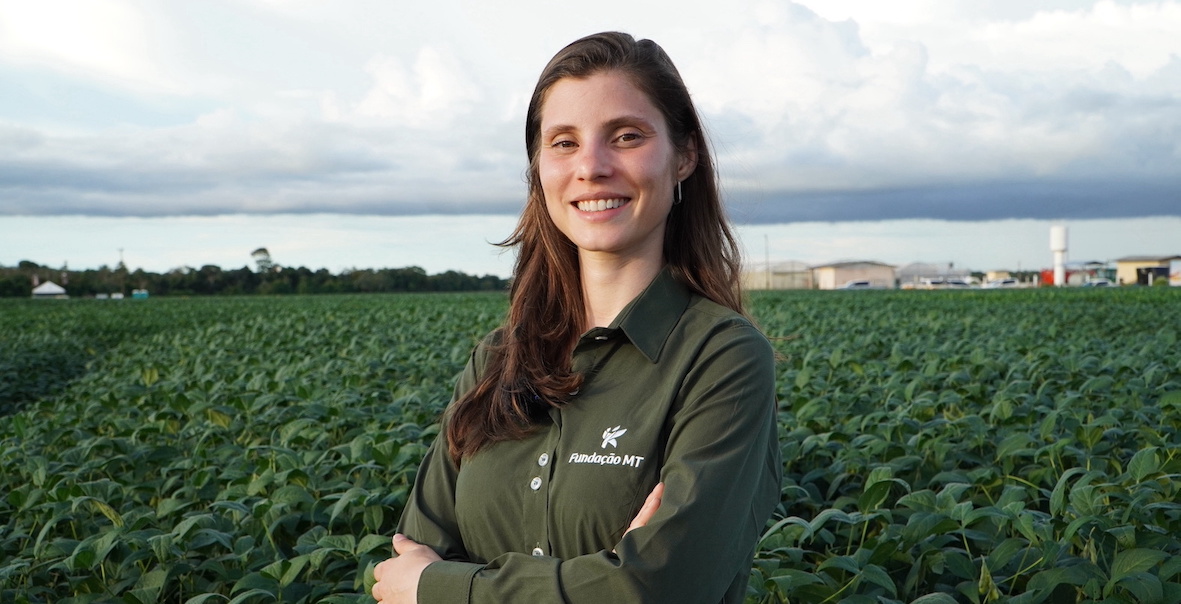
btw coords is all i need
(596, 99)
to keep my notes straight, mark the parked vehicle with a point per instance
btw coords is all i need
(1001, 284)
(944, 283)
(860, 284)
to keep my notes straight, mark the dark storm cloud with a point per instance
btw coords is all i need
(1030, 200)
(314, 168)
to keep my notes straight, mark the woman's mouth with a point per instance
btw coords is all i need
(598, 205)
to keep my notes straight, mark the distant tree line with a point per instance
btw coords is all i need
(210, 280)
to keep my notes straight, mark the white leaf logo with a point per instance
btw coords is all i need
(609, 436)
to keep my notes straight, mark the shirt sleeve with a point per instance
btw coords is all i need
(722, 476)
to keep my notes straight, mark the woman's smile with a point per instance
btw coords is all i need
(598, 205)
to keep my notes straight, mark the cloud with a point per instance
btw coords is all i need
(842, 110)
(435, 91)
(878, 132)
(1041, 200)
(110, 42)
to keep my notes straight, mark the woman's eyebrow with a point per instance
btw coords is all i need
(617, 122)
(629, 120)
(555, 130)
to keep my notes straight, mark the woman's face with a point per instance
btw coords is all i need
(608, 166)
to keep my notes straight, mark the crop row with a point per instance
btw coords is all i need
(938, 446)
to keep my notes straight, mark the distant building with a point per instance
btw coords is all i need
(1079, 273)
(49, 291)
(832, 276)
(778, 275)
(1142, 270)
(919, 274)
(1085, 272)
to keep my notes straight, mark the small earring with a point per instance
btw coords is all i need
(678, 198)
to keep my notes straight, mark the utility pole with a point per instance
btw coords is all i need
(121, 270)
(767, 258)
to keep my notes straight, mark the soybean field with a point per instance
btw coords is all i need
(942, 446)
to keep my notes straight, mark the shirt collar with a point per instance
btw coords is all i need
(650, 317)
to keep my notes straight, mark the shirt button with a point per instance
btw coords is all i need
(544, 459)
(537, 552)
(535, 483)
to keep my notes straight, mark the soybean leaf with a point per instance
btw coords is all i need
(1132, 561)
(934, 598)
(1144, 463)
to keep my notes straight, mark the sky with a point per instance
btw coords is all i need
(374, 133)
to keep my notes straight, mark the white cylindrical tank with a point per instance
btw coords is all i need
(1058, 238)
(1058, 247)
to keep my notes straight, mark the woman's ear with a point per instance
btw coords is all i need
(687, 159)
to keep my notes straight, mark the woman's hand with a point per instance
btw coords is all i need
(397, 578)
(651, 504)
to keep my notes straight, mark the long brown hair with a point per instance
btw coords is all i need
(529, 367)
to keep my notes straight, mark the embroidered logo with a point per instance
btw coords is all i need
(609, 436)
(608, 459)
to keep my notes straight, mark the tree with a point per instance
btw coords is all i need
(263, 259)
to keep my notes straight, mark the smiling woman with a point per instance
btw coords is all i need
(615, 439)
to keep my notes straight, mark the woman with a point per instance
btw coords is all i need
(615, 440)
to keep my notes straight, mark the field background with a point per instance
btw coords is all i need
(938, 446)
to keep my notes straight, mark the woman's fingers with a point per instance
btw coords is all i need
(403, 544)
(651, 504)
(397, 578)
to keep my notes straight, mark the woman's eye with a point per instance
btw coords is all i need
(563, 144)
(629, 137)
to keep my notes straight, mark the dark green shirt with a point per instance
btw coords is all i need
(677, 389)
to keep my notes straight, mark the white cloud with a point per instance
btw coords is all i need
(1140, 38)
(435, 91)
(1018, 35)
(113, 41)
(934, 93)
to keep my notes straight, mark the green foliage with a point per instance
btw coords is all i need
(986, 446)
(938, 446)
(220, 450)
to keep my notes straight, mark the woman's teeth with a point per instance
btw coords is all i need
(598, 205)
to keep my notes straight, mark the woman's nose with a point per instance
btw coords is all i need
(594, 162)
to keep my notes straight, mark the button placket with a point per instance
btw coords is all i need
(537, 497)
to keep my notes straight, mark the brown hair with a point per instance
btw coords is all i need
(528, 368)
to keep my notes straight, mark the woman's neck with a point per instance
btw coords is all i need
(609, 283)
